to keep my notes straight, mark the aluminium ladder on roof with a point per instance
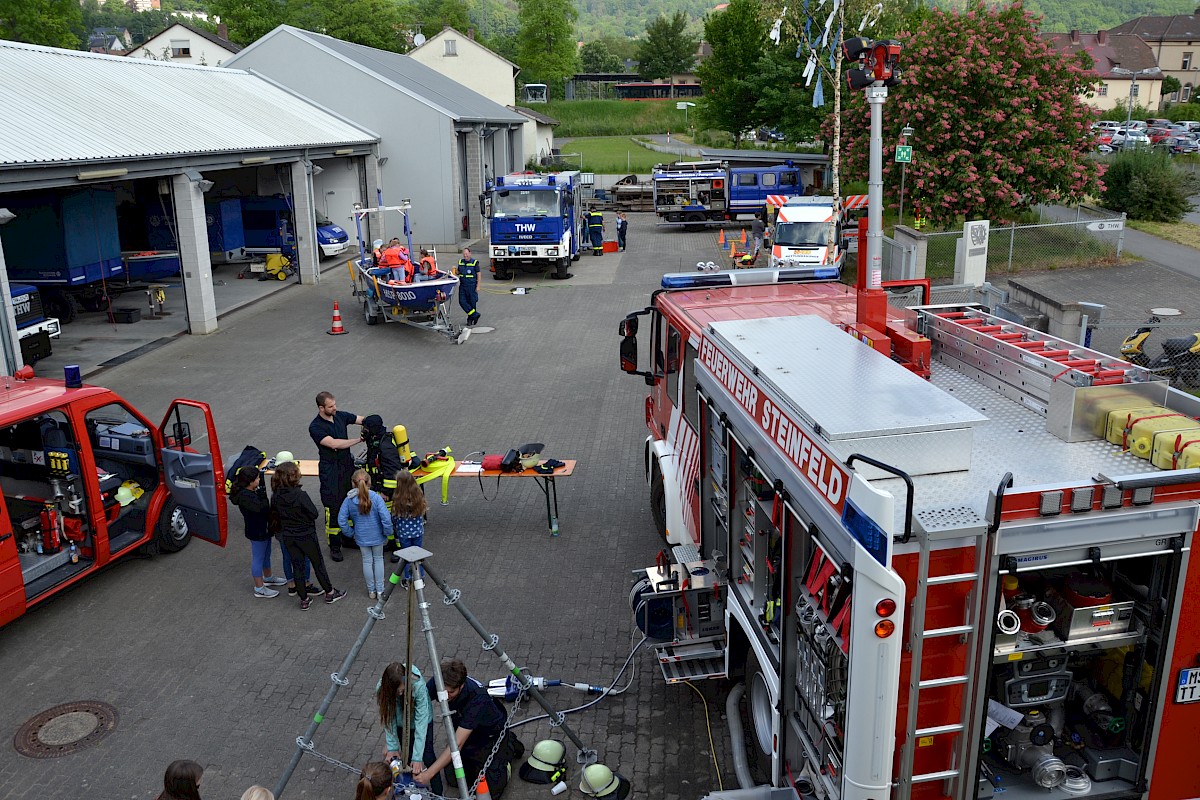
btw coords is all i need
(969, 632)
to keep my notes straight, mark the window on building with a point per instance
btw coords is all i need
(1187, 61)
(1102, 91)
(1186, 95)
(451, 47)
(181, 48)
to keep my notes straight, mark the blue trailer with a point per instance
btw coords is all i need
(695, 194)
(533, 221)
(67, 245)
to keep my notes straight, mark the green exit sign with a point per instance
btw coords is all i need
(904, 154)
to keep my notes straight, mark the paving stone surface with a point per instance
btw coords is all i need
(198, 668)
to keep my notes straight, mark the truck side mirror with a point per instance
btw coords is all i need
(629, 354)
(628, 326)
(485, 206)
(181, 434)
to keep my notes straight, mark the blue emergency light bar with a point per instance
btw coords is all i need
(750, 277)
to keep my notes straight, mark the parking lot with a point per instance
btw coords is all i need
(198, 668)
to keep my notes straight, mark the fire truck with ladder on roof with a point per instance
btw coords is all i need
(942, 555)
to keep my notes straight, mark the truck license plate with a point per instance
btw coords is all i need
(1188, 687)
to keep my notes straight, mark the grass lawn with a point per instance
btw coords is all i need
(1187, 233)
(613, 117)
(613, 155)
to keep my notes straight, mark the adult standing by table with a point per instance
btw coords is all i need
(468, 286)
(758, 230)
(330, 431)
(622, 230)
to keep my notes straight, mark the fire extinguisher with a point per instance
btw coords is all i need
(51, 541)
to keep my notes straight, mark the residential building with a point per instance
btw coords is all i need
(1175, 42)
(463, 60)
(114, 41)
(1117, 57)
(538, 134)
(184, 44)
(439, 140)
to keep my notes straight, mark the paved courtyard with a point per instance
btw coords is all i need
(198, 668)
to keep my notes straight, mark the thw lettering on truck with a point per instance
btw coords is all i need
(822, 470)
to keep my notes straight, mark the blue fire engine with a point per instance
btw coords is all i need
(533, 220)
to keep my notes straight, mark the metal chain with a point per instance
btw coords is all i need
(512, 712)
(307, 747)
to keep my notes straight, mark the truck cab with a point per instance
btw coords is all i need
(812, 229)
(532, 222)
(88, 479)
(34, 328)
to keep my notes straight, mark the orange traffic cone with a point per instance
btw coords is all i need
(721, 239)
(732, 249)
(337, 321)
(743, 235)
(482, 792)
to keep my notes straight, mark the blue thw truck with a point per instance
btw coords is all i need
(533, 221)
(695, 194)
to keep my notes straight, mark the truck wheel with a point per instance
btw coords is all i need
(501, 275)
(576, 256)
(757, 714)
(658, 503)
(561, 271)
(695, 222)
(372, 319)
(172, 533)
(57, 303)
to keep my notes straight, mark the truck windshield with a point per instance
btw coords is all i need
(801, 234)
(525, 203)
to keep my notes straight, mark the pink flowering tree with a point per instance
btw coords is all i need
(999, 121)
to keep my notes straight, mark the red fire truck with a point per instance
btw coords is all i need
(88, 479)
(943, 555)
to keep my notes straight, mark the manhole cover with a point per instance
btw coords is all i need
(65, 729)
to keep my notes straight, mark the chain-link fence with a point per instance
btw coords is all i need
(1095, 236)
(1111, 332)
(987, 295)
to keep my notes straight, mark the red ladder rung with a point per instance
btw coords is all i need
(989, 328)
(952, 314)
(1108, 373)
(1057, 355)
(1035, 345)
(1008, 337)
(1111, 381)
(1081, 363)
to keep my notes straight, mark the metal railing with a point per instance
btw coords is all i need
(1095, 236)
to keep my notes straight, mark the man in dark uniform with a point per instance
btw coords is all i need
(478, 721)
(596, 231)
(329, 430)
(468, 286)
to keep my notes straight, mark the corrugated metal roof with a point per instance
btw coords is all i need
(411, 76)
(68, 106)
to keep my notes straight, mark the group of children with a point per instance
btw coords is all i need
(290, 514)
(395, 262)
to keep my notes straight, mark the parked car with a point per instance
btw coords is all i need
(1191, 124)
(1179, 145)
(1136, 124)
(1158, 122)
(1158, 133)
(1130, 137)
(1109, 125)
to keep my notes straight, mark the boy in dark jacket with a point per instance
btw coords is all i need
(297, 519)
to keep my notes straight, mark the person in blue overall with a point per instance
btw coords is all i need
(468, 286)
(596, 231)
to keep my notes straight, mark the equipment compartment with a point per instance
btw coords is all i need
(1072, 694)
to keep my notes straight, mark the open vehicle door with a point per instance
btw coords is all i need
(191, 462)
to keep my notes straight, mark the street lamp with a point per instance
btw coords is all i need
(905, 133)
(1132, 91)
